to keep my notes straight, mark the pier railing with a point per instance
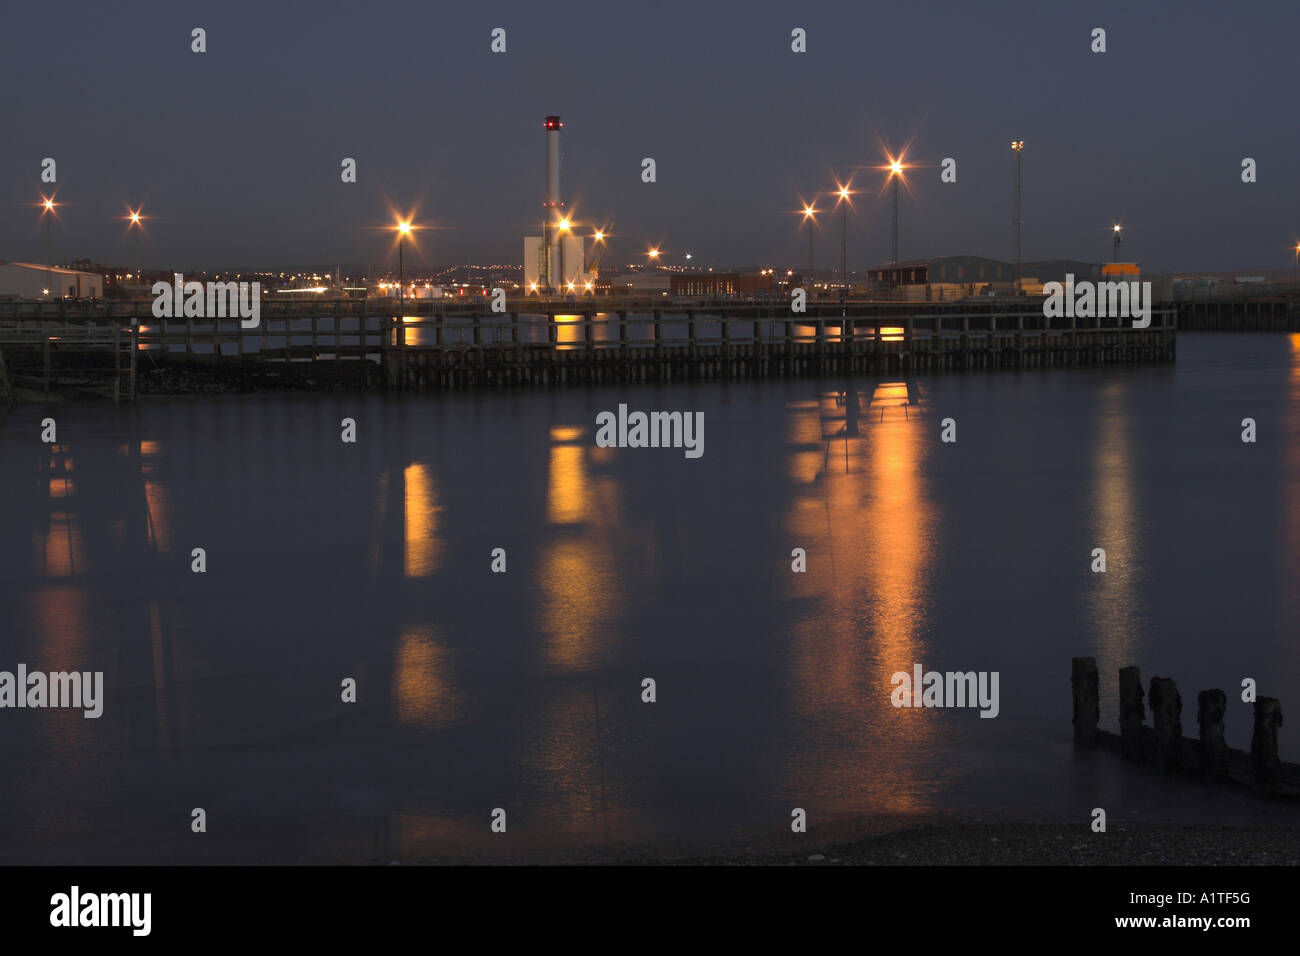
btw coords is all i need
(547, 343)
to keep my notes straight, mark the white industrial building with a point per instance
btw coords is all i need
(566, 261)
(28, 280)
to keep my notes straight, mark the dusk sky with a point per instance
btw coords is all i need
(236, 152)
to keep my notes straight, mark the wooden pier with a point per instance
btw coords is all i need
(1275, 314)
(459, 344)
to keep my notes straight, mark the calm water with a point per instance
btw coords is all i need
(523, 690)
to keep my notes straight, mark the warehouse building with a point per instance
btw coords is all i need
(27, 280)
(715, 284)
(946, 277)
(1036, 274)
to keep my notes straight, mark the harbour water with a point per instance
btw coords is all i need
(523, 690)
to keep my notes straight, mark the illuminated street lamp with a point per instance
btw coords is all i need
(1118, 238)
(47, 213)
(564, 225)
(842, 197)
(896, 168)
(809, 216)
(1018, 145)
(135, 223)
(1295, 268)
(403, 230)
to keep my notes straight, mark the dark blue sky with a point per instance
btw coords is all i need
(236, 151)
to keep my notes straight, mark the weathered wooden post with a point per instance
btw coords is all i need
(1211, 705)
(1132, 712)
(1263, 743)
(1087, 711)
(1167, 719)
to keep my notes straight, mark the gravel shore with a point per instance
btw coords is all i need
(1011, 844)
(945, 843)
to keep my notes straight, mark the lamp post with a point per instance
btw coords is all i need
(844, 249)
(809, 212)
(403, 228)
(1018, 145)
(135, 223)
(1295, 268)
(564, 229)
(895, 174)
(47, 213)
(1118, 238)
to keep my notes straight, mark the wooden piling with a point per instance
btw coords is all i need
(1132, 711)
(1167, 719)
(1084, 685)
(1211, 705)
(1263, 743)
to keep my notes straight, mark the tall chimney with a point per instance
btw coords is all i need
(554, 205)
(553, 127)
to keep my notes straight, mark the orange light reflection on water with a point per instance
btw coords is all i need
(870, 535)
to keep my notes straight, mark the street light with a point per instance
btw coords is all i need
(843, 198)
(1295, 268)
(47, 213)
(810, 217)
(896, 168)
(1018, 145)
(1115, 231)
(403, 230)
(135, 222)
(564, 225)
